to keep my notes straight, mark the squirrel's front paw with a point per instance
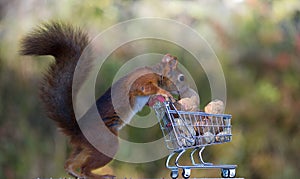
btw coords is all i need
(169, 97)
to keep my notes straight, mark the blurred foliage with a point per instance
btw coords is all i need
(256, 41)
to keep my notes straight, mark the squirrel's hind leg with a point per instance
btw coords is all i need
(73, 164)
(95, 160)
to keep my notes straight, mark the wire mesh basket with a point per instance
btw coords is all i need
(183, 130)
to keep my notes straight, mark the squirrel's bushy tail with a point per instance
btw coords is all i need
(66, 44)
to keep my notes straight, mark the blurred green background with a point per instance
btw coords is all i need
(256, 41)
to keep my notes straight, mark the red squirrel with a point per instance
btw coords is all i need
(66, 44)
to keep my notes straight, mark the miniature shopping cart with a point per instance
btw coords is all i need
(189, 133)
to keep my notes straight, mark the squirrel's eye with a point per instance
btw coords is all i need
(142, 88)
(181, 77)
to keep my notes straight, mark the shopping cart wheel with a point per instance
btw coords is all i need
(232, 173)
(228, 173)
(174, 174)
(186, 173)
(225, 173)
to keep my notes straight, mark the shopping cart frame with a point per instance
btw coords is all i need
(177, 151)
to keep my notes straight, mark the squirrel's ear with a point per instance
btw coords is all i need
(170, 60)
(167, 58)
(173, 63)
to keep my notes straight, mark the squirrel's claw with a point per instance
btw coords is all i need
(169, 97)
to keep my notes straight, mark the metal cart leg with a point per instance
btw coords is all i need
(168, 161)
(186, 170)
(174, 169)
(201, 159)
(192, 156)
(178, 157)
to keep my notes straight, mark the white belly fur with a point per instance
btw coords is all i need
(140, 102)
